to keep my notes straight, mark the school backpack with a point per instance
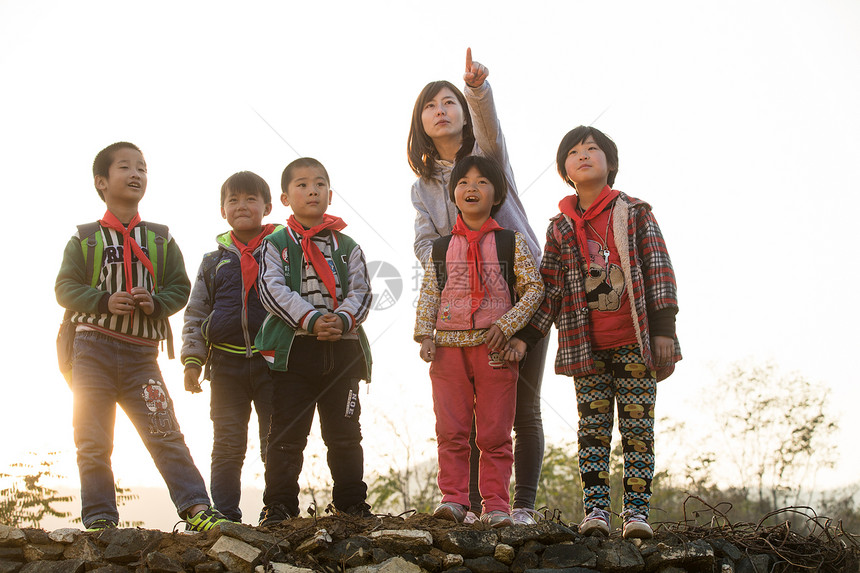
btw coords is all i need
(505, 251)
(92, 248)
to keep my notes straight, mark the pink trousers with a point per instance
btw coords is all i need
(472, 382)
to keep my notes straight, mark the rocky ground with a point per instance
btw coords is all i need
(419, 543)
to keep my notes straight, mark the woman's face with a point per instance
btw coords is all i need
(442, 116)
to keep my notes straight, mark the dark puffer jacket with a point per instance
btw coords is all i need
(216, 315)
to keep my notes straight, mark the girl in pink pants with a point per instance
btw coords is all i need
(480, 287)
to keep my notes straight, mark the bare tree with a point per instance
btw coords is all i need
(776, 430)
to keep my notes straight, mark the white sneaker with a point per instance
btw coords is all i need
(636, 525)
(524, 516)
(595, 523)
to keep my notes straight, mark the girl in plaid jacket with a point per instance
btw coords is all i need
(611, 290)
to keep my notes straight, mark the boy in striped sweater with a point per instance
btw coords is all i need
(314, 283)
(121, 314)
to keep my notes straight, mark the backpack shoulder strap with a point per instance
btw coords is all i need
(92, 246)
(439, 255)
(208, 268)
(157, 236)
(506, 245)
(156, 239)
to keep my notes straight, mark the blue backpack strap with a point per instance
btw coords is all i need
(207, 268)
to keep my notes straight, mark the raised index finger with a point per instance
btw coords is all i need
(468, 59)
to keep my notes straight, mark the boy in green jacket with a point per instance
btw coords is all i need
(314, 283)
(121, 283)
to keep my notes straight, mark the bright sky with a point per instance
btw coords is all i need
(736, 120)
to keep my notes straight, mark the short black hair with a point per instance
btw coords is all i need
(104, 159)
(487, 167)
(576, 136)
(246, 182)
(287, 175)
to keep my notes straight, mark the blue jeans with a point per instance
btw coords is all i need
(106, 372)
(237, 382)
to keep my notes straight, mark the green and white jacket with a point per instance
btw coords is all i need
(282, 287)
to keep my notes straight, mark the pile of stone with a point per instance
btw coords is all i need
(326, 545)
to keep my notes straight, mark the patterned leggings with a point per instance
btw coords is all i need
(621, 376)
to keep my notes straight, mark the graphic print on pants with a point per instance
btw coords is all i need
(604, 281)
(161, 415)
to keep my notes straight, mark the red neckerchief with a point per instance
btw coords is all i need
(313, 255)
(473, 256)
(249, 265)
(111, 222)
(568, 207)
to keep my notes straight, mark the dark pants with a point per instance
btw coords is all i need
(528, 434)
(322, 376)
(107, 372)
(237, 383)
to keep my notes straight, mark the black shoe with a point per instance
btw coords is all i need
(274, 514)
(357, 510)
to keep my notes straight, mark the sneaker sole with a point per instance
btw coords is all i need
(591, 528)
(638, 531)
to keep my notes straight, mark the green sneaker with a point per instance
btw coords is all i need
(101, 525)
(204, 520)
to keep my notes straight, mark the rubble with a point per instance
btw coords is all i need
(387, 544)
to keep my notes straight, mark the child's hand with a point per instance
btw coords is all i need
(515, 351)
(192, 378)
(121, 303)
(428, 350)
(143, 299)
(495, 338)
(328, 327)
(662, 348)
(476, 73)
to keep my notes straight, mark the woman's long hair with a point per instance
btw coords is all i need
(420, 150)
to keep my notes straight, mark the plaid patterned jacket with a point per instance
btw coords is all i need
(650, 282)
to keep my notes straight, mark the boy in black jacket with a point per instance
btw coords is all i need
(221, 320)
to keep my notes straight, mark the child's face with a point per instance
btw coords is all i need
(244, 211)
(475, 196)
(443, 115)
(586, 163)
(126, 179)
(308, 195)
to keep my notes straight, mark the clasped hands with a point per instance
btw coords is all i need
(512, 350)
(124, 303)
